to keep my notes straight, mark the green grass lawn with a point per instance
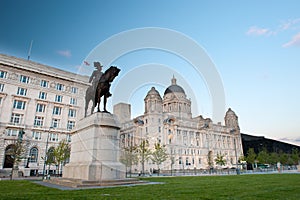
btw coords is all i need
(264, 186)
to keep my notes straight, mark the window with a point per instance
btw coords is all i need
(3, 74)
(59, 87)
(58, 98)
(24, 79)
(159, 129)
(44, 83)
(74, 90)
(68, 138)
(53, 137)
(55, 123)
(16, 118)
(0, 100)
(43, 95)
(33, 155)
(180, 161)
(19, 104)
(22, 91)
(1, 87)
(12, 132)
(56, 110)
(36, 135)
(40, 107)
(38, 121)
(70, 125)
(72, 113)
(73, 101)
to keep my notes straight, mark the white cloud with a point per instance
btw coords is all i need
(295, 41)
(290, 24)
(65, 53)
(295, 141)
(254, 30)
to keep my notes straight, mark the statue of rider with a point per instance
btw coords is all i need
(96, 75)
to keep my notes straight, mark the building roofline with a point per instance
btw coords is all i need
(42, 69)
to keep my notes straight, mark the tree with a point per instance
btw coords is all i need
(220, 160)
(61, 153)
(273, 158)
(159, 155)
(50, 158)
(283, 158)
(251, 156)
(295, 156)
(17, 154)
(129, 157)
(263, 156)
(143, 153)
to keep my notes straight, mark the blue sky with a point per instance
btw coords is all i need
(254, 45)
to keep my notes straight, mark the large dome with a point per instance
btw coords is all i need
(174, 88)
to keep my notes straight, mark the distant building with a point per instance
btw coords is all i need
(191, 142)
(41, 100)
(259, 143)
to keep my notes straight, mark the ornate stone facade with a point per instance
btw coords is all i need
(191, 142)
(41, 100)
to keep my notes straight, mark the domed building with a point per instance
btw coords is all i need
(192, 143)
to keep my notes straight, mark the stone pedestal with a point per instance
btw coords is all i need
(95, 150)
(26, 172)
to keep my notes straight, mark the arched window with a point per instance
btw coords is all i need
(9, 153)
(33, 155)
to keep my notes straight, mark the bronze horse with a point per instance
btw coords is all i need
(102, 89)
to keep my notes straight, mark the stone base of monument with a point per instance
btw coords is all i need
(94, 156)
(79, 183)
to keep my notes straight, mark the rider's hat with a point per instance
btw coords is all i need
(98, 65)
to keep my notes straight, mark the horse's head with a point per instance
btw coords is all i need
(113, 72)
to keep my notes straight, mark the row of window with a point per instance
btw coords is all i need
(36, 135)
(180, 161)
(17, 118)
(18, 104)
(43, 83)
(55, 123)
(42, 95)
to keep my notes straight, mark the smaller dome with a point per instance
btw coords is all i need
(153, 93)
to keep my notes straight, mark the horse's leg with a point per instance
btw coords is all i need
(86, 105)
(104, 103)
(98, 100)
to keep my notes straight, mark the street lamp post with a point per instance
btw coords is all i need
(46, 157)
(236, 157)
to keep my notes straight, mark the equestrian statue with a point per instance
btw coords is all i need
(100, 86)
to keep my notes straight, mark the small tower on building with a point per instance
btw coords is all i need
(153, 102)
(231, 120)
